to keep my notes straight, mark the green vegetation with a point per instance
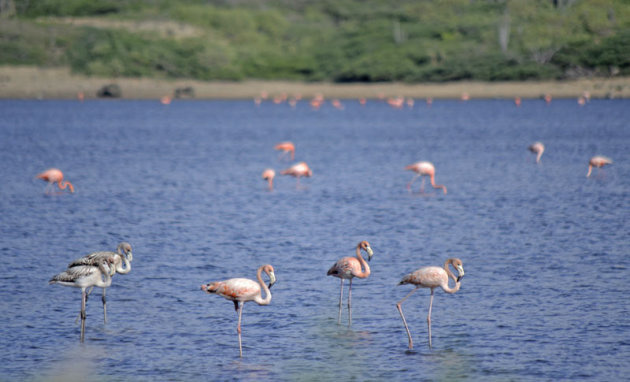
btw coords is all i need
(331, 40)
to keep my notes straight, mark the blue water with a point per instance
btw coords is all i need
(545, 249)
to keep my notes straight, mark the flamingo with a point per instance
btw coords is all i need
(85, 276)
(431, 277)
(123, 254)
(348, 268)
(298, 170)
(422, 169)
(286, 147)
(597, 161)
(537, 148)
(240, 290)
(54, 175)
(268, 175)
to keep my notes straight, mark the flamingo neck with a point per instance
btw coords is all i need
(443, 187)
(123, 269)
(364, 264)
(259, 300)
(450, 274)
(108, 278)
(63, 185)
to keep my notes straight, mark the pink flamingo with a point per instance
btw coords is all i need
(431, 277)
(54, 175)
(240, 290)
(422, 169)
(298, 170)
(597, 161)
(537, 148)
(268, 175)
(347, 268)
(122, 264)
(286, 148)
(85, 276)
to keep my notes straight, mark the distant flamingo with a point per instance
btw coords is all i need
(431, 277)
(298, 170)
(85, 276)
(597, 161)
(422, 169)
(362, 101)
(517, 101)
(166, 100)
(54, 175)
(268, 175)
(537, 148)
(348, 268)
(429, 101)
(548, 98)
(241, 290)
(122, 255)
(286, 148)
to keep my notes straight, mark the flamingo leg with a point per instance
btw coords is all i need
(412, 180)
(104, 306)
(238, 329)
(422, 185)
(350, 304)
(340, 299)
(399, 307)
(429, 317)
(83, 301)
(87, 295)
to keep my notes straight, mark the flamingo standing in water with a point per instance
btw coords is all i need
(298, 170)
(537, 148)
(85, 276)
(54, 175)
(431, 277)
(286, 148)
(346, 269)
(122, 255)
(240, 290)
(268, 175)
(597, 161)
(422, 169)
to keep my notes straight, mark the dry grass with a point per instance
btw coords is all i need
(45, 83)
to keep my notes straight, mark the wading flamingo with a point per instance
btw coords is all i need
(122, 255)
(422, 169)
(54, 175)
(537, 148)
(298, 170)
(286, 148)
(597, 161)
(241, 290)
(431, 277)
(268, 175)
(347, 268)
(85, 276)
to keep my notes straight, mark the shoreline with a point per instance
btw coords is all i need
(27, 82)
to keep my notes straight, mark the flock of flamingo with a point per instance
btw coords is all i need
(97, 269)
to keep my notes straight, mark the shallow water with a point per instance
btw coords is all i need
(545, 249)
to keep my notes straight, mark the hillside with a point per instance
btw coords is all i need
(330, 40)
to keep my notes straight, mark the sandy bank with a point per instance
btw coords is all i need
(50, 83)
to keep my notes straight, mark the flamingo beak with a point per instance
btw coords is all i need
(272, 279)
(370, 253)
(129, 256)
(460, 270)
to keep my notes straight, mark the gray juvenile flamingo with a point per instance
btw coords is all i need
(431, 277)
(85, 276)
(424, 169)
(597, 161)
(348, 268)
(537, 148)
(122, 255)
(52, 176)
(240, 290)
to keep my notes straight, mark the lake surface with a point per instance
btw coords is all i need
(545, 249)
